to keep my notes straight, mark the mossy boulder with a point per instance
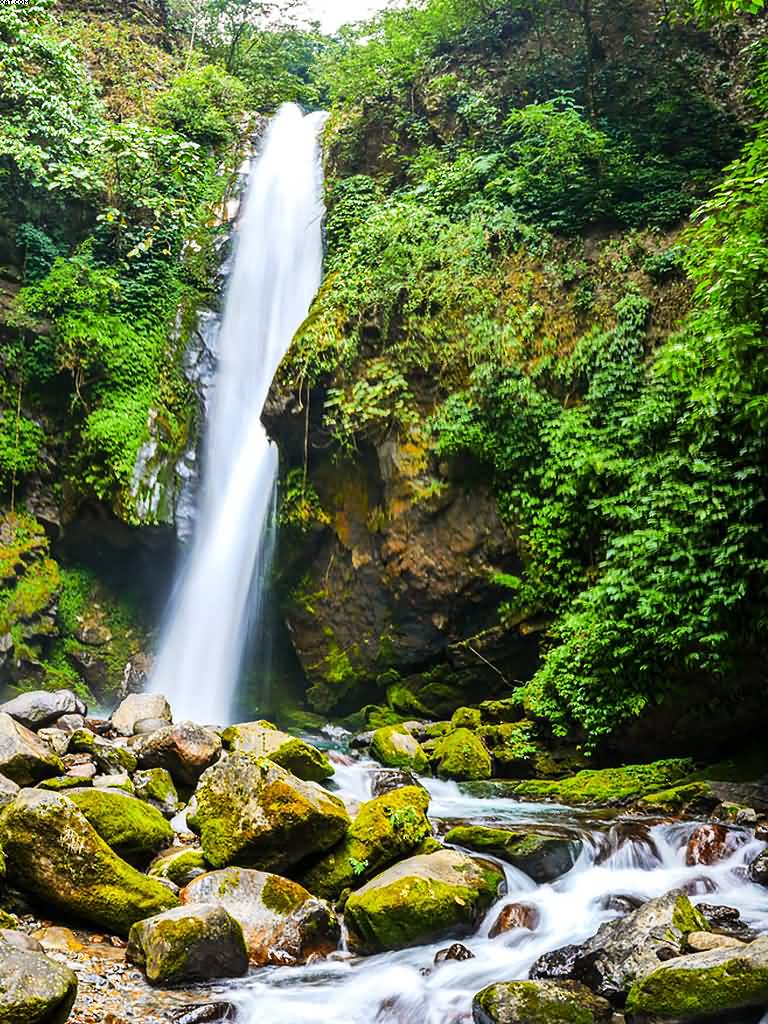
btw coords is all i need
(395, 747)
(253, 813)
(282, 922)
(466, 718)
(463, 756)
(111, 758)
(56, 856)
(540, 1002)
(155, 785)
(187, 944)
(628, 948)
(703, 985)
(181, 865)
(690, 797)
(609, 786)
(132, 828)
(386, 828)
(542, 857)
(33, 988)
(264, 740)
(421, 900)
(24, 759)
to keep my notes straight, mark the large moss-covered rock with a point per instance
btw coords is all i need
(155, 785)
(253, 813)
(180, 865)
(131, 827)
(33, 988)
(395, 747)
(625, 949)
(703, 985)
(264, 740)
(386, 828)
(189, 944)
(609, 786)
(463, 756)
(111, 758)
(23, 757)
(184, 749)
(540, 1002)
(420, 900)
(56, 856)
(281, 921)
(542, 857)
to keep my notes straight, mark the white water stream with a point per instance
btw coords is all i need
(406, 988)
(275, 275)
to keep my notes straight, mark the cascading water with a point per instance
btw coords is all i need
(275, 275)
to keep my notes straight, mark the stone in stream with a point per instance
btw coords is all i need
(386, 829)
(184, 749)
(56, 856)
(283, 923)
(33, 988)
(137, 707)
(537, 1002)
(458, 951)
(253, 813)
(516, 915)
(700, 942)
(264, 740)
(709, 844)
(133, 829)
(196, 943)
(543, 857)
(758, 869)
(155, 785)
(181, 865)
(207, 1013)
(726, 921)
(703, 985)
(462, 755)
(422, 900)
(39, 708)
(395, 747)
(627, 948)
(386, 779)
(24, 759)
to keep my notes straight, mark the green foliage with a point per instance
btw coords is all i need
(300, 506)
(204, 105)
(39, 251)
(21, 440)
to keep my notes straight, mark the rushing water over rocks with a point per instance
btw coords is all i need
(275, 275)
(623, 863)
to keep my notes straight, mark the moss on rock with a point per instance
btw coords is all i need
(180, 865)
(395, 747)
(463, 756)
(542, 857)
(609, 786)
(385, 829)
(132, 828)
(542, 1002)
(264, 740)
(678, 799)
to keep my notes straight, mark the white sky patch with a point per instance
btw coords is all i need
(332, 14)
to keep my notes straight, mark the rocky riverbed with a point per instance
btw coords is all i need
(158, 871)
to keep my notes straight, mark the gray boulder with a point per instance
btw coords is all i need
(39, 708)
(184, 749)
(23, 757)
(188, 944)
(137, 707)
(33, 988)
(8, 791)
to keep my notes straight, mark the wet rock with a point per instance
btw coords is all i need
(394, 747)
(388, 779)
(758, 869)
(281, 921)
(362, 740)
(688, 798)
(542, 857)
(184, 749)
(181, 865)
(20, 940)
(253, 813)
(386, 829)
(746, 817)
(709, 844)
(457, 951)
(462, 755)
(137, 707)
(635, 840)
(209, 1013)
(625, 948)
(702, 985)
(620, 904)
(55, 855)
(110, 758)
(606, 787)
(516, 915)
(39, 708)
(133, 829)
(155, 785)
(23, 757)
(195, 943)
(700, 942)
(33, 988)
(533, 1002)
(723, 920)
(699, 886)
(264, 740)
(8, 791)
(420, 900)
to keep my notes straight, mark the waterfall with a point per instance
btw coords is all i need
(275, 275)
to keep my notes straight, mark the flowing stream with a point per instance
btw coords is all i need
(275, 275)
(618, 859)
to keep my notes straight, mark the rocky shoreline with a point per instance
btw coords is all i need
(144, 861)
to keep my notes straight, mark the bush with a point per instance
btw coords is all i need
(204, 105)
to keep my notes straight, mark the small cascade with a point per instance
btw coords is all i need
(218, 600)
